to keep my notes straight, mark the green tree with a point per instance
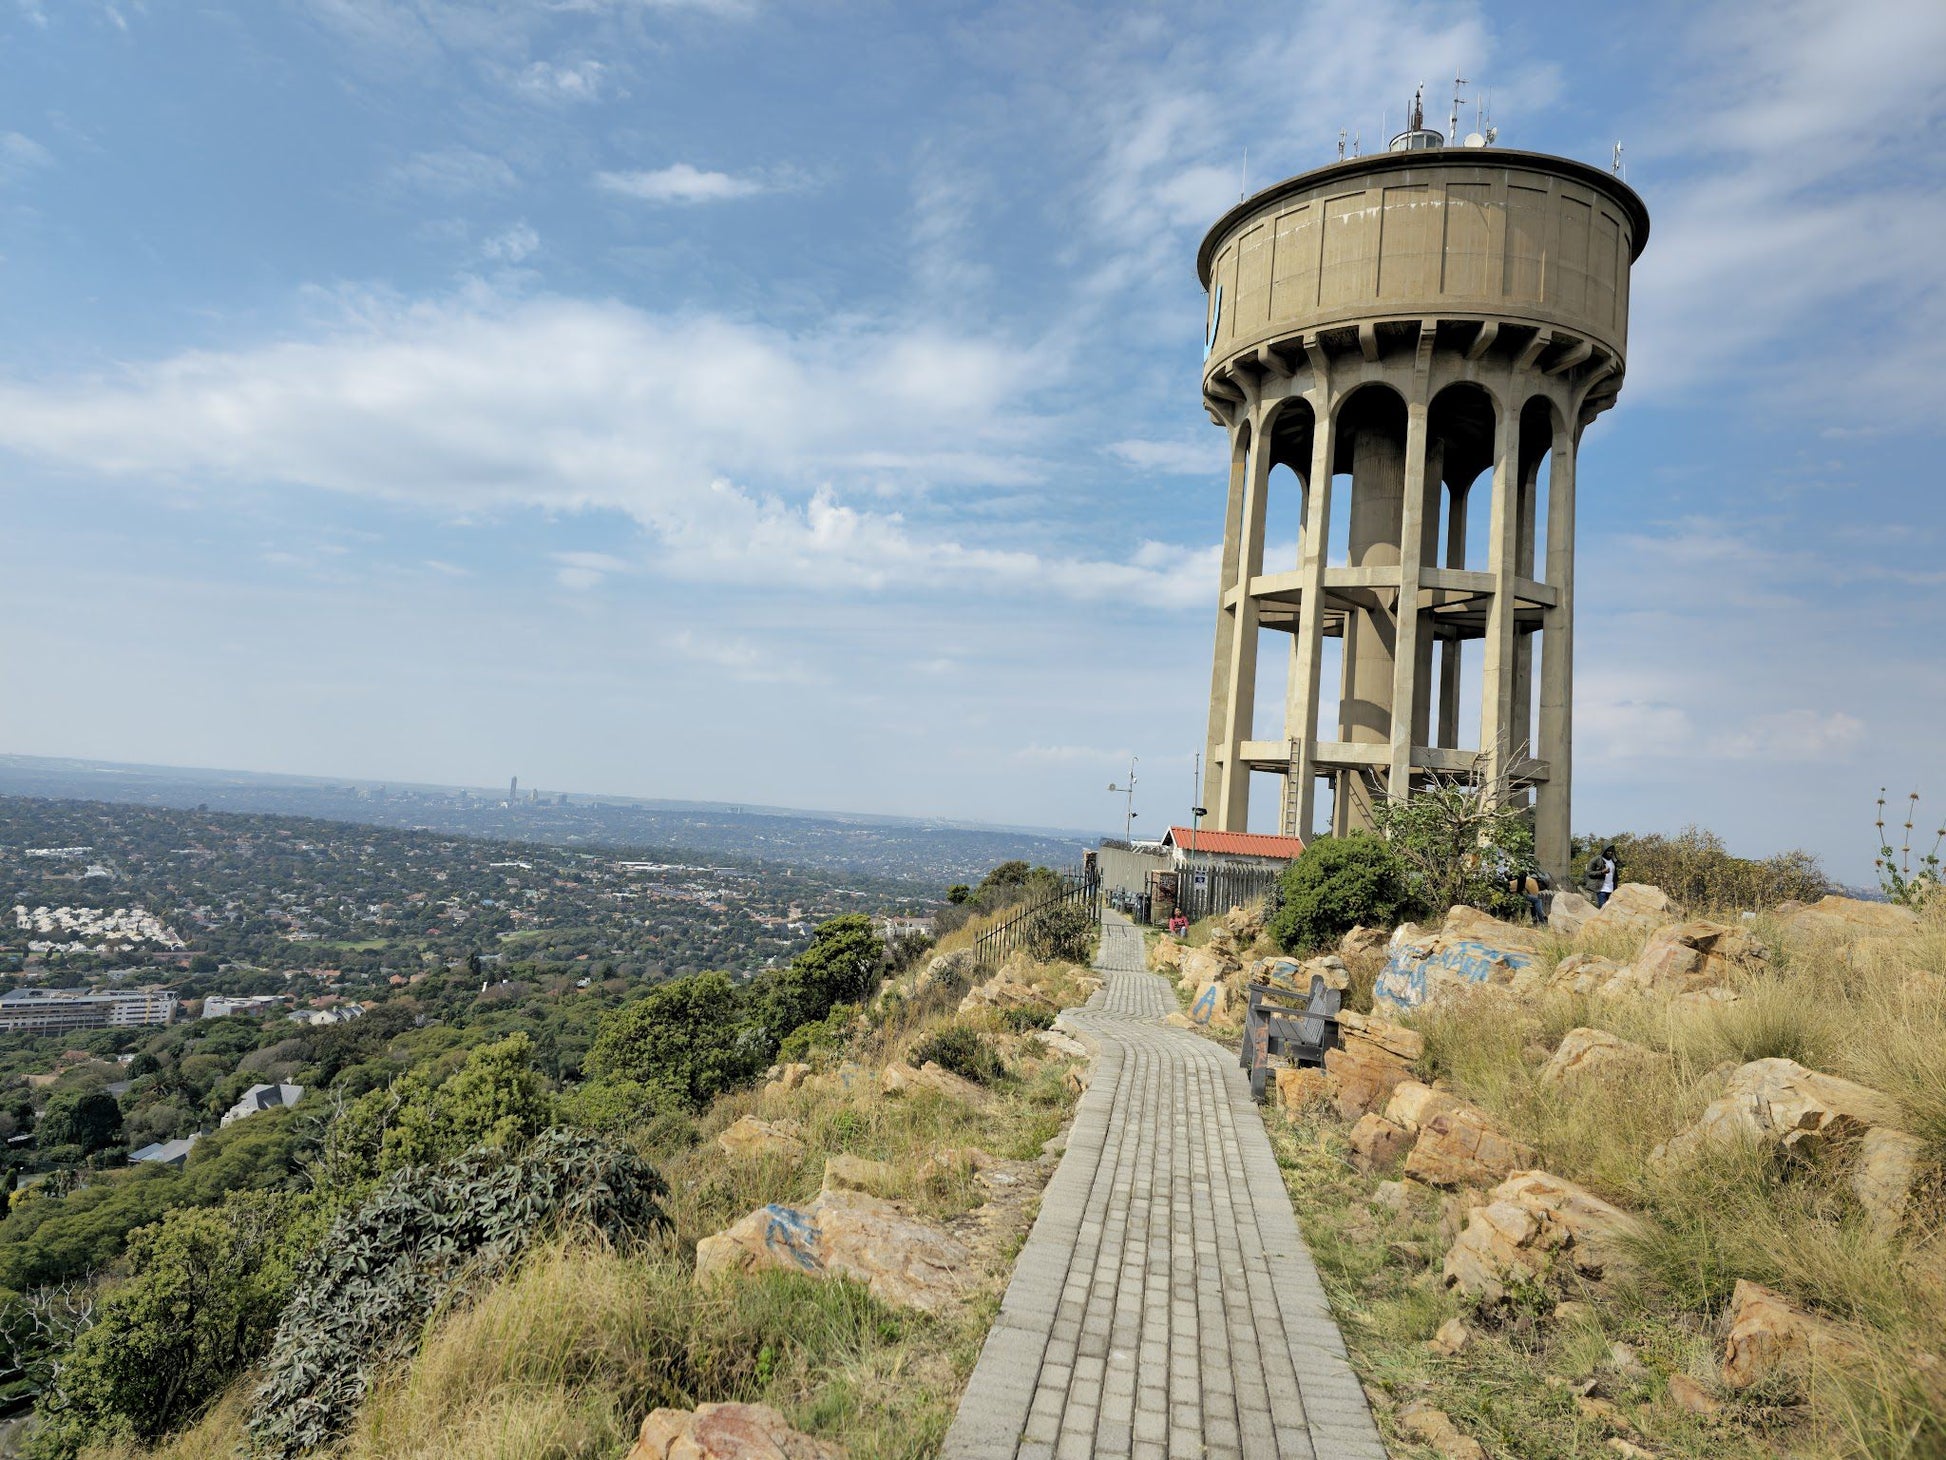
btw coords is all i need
(842, 966)
(1462, 837)
(92, 1121)
(686, 1037)
(1339, 883)
(200, 1304)
(495, 1099)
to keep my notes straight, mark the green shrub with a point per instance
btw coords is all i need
(1698, 872)
(426, 1237)
(964, 1051)
(1338, 884)
(1064, 933)
(687, 1036)
(1025, 1018)
(201, 1302)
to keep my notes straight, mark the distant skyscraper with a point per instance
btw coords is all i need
(513, 791)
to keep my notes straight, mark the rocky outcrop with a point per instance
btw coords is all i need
(1470, 950)
(1166, 956)
(1055, 1042)
(1435, 1427)
(1002, 991)
(1528, 1222)
(1702, 1001)
(785, 1077)
(725, 1432)
(1694, 955)
(1884, 1173)
(855, 1173)
(901, 1079)
(1568, 913)
(1200, 966)
(1589, 1051)
(1633, 910)
(1413, 1104)
(1459, 1147)
(1582, 973)
(1375, 1058)
(1299, 1088)
(1850, 917)
(904, 1261)
(952, 1163)
(1779, 1102)
(1377, 1143)
(1363, 942)
(752, 1139)
(1769, 1336)
(1211, 1004)
(1244, 924)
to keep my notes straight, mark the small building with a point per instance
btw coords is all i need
(892, 926)
(165, 1153)
(263, 1097)
(48, 1011)
(219, 1006)
(1243, 849)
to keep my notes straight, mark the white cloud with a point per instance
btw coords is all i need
(1069, 755)
(512, 245)
(678, 183)
(582, 570)
(734, 447)
(553, 81)
(20, 156)
(454, 172)
(1187, 458)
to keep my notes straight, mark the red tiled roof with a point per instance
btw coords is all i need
(1237, 843)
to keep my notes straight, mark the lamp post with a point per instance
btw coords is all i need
(1128, 819)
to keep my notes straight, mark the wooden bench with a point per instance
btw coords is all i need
(1276, 1027)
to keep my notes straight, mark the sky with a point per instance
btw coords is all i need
(797, 403)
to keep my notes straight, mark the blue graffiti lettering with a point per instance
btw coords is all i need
(796, 1233)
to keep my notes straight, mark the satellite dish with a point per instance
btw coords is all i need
(1474, 139)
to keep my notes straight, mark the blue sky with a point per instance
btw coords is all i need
(797, 403)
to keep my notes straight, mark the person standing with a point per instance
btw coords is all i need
(1600, 877)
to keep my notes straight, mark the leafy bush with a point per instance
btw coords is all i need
(1064, 933)
(1697, 870)
(200, 1304)
(686, 1037)
(92, 1121)
(1025, 1018)
(842, 966)
(1337, 884)
(428, 1236)
(1462, 838)
(964, 1051)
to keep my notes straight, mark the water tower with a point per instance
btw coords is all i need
(1412, 334)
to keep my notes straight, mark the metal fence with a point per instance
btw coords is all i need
(1216, 888)
(991, 948)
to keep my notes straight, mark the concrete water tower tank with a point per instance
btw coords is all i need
(1422, 325)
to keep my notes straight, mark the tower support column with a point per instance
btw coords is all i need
(1497, 693)
(1302, 731)
(1553, 828)
(1232, 808)
(1216, 761)
(1406, 692)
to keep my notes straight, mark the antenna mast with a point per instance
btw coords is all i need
(1452, 127)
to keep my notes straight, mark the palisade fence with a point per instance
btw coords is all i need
(991, 948)
(1216, 888)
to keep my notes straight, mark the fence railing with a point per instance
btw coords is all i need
(991, 948)
(1208, 889)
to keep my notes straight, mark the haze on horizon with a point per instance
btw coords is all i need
(753, 401)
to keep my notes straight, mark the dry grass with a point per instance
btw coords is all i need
(1872, 1011)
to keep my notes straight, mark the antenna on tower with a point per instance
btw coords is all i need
(1452, 127)
(1341, 144)
(1616, 165)
(1244, 190)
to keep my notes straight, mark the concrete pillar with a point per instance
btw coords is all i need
(1497, 690)
(1552, 825)
(1430, 503)
(1450, 657)
(1216, 759)
(1406, 697)
(1232, 810)
(1310, 619)
(1378, 493)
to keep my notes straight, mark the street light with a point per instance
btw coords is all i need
(1128, 819)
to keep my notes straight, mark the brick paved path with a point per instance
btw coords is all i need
(1164, 1304)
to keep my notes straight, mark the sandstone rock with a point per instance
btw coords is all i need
(1528, 1219)
(951, 1163)
(1381, 1036)
(1452, 1338)
(1571, 1312)
(750, 1139)
(1363, 1078)
(1244, 923)
(901, 1079)
(1299, 1088)
(1633, 910)
(1377, 1144)
(1179, 1020)
(1623, 1359)
(903, 1260)
(1433, 1427)
(1629, 1450)
(725, 1432)
(1780, 1102)
(1001, 992)
(1883, 1175)
(855, 1173)
(1582, 973)
(789, 1077)
(1413, 1104)
(1394, 1196)
(1769, 1336)
(1702, 1001)
(1076, 1080)
(1568, 913)
(1424, 968)
(1470, 922)
(1166, 956)
(1690, 1397)
(847, 1079)
(1850, 917)
(1363, 942)
(1065, 1045)
(1331, 968)
(1460, 1148)
(1693, 955)
(1584, 1051)
(1211, 1004)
